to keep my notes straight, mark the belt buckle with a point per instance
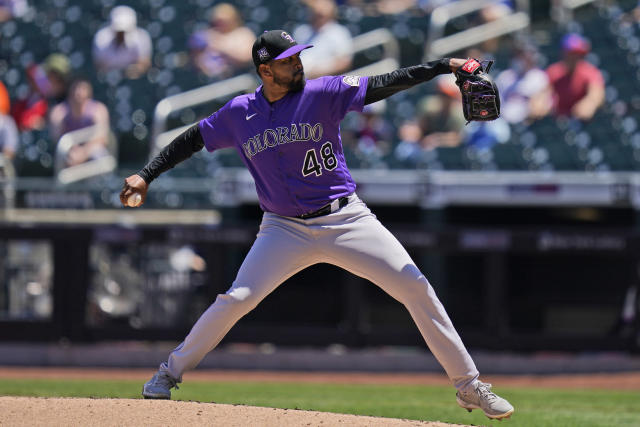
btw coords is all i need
(335, 205)
(316, 213)
(332, 207)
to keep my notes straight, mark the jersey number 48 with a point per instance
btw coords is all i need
(311, 163)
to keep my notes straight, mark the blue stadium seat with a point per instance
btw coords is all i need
(509, 156)
(452, 158)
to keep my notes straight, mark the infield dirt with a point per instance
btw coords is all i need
(35, 411)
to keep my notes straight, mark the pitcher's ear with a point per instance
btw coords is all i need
(264, 69)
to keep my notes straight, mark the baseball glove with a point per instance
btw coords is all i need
(480, 97)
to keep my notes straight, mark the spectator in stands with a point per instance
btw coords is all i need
(439, 123)
(393, 7)
(578, 86)
(333, 45)
(10, 9)
(368, 135)
(221, 49)
(429, 5)
(80, 111)
(122, 45)
(8, 130)
(47, 86)
(524, 87)
(30, 112)
(483, 135)
(58, 69)
(5, 105)
(8, 133)
(634, 14)
(492, 12)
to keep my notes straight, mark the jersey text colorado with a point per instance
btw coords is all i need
(270, 138)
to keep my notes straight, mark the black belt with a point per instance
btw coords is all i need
(327, 209)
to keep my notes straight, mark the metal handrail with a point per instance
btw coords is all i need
(437, 45)
(66, 175)
(564, 10)
(574, 4)
(198, 96)
(381, 36)
(478, 34)
(166, 137)
(7, 184)
(86, 170)
(379, 67)
(8, 171)
(441, 15)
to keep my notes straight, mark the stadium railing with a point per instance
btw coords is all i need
(563, 12)
(7, 183)
(439, 45)
(194, 97)
(103, 165)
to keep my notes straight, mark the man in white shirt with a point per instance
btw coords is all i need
(524, 87)
(122, 45)
(332, 42)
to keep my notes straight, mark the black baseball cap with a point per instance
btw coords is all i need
(275, 44)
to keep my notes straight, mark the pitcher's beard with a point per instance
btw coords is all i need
(297, 86)
(292, 85)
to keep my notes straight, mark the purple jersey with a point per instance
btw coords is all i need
(292, 147)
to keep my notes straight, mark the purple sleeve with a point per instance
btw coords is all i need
(347, 94)
(215, 129)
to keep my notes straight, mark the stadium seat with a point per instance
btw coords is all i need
(35, 154)
(616, 49)
(452, 158)
(509, 157)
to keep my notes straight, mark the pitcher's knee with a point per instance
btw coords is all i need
(412, 286)
(241, 293)
(239, 298)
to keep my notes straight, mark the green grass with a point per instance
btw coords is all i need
(534, 407)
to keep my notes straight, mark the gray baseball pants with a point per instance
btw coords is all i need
(351, 238)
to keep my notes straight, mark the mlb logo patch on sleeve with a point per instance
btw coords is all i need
(351, 80)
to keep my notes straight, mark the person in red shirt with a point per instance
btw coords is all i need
(577, 85)
(31, 112)
(4, 99)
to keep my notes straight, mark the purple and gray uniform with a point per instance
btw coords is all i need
(293, 150)
(291, 147)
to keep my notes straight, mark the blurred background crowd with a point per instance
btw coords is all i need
(90, 89)
(97, 69)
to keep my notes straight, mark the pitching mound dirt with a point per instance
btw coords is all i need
(32, 411)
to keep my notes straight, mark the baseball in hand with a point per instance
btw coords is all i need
(134, 200)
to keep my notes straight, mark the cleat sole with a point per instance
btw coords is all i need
(156, 397)
(500, 417)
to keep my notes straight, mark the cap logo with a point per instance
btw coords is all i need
(287, 37)
(263, 54)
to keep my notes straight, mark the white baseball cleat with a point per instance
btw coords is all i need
(159, 386)
(480, 396)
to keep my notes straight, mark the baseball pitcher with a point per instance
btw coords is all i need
(288, 135)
